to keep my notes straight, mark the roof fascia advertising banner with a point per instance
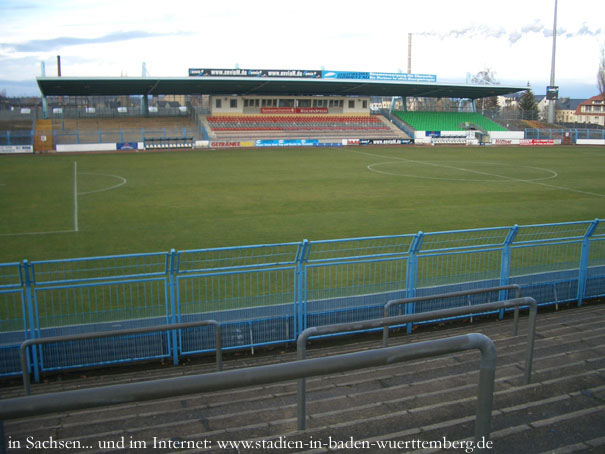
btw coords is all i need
(277, 73)
(311, 74)
(404, 77)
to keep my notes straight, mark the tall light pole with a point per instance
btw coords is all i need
(552, 102)
(409, 53)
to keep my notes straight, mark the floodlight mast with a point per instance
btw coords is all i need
(552, 102)
(409, 53)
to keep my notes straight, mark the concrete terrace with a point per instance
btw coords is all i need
(561, 411)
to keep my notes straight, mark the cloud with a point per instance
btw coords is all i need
(536, 27)
(10, 5)
(586, 31)
(44, 45)
(514, 37)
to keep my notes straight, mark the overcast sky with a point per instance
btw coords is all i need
(451, 39)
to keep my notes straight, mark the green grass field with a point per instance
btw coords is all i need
(151, 202)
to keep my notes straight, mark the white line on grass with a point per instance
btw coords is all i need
(480, 173)
(122, 182)
(75, 196)
(36, 233)
(491, 180)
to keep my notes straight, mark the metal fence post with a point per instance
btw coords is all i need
(584, 256)
(505, 263)
(31, 331)
(412, 274)
(173, 311)
(300, 310)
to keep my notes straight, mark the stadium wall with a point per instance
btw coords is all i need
(267, 294)
(239, 105)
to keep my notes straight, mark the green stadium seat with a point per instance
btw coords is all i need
(447, 121)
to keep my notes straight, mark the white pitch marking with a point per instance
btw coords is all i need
(483, 173)
(75, 196)
(37, 233)
(122, 182)
(371, 167)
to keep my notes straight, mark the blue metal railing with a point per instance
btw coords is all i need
(19, 137)
(267, 294)
(559, 133)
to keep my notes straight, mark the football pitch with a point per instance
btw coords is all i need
(66, 206)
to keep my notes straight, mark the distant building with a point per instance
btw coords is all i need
(591, 111)
(566, 110)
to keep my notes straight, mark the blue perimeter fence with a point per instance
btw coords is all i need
(269, 294)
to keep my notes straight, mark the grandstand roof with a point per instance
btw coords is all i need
(113, 86)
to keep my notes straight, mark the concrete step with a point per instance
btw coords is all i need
(426, 399)
(490, 327)
(378, 379)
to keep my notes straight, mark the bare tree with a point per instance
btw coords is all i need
(486, 77)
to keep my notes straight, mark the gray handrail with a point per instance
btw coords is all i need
(216, 381)
(416, 299)
(115, 333)
(301, 342)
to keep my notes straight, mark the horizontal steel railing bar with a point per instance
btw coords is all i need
(165, 256)
(354, 261)
(462, 249)
(557, 242)
(237, 270)
(361, 238)
(180, 255)
(361, 258)
(301, 342)
(557, 223)
(177, 386)
(97, 283)
(424, 316)
(235, 248)
(457, 251)
(103, 257)
(477, 291)
(10, 290)
(117, 333)
(17, 267)
(97, 280)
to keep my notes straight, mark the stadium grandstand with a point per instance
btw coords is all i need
(217, 108)
(221, 107)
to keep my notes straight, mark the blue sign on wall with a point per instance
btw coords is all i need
(127, 145)
(286, 143)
